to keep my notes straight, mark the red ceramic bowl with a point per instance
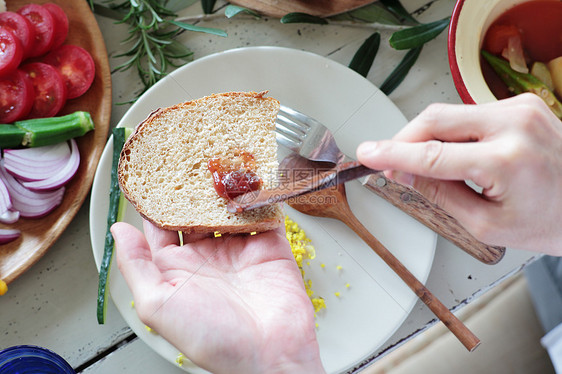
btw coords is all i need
(469, 23)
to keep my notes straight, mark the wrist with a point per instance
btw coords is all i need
(305, 360)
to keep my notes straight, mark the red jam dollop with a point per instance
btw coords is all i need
(234, 176)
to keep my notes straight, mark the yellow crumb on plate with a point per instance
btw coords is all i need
(3, 287)
(179, 359)
(303, 250)
(150, 329)
(217, 234)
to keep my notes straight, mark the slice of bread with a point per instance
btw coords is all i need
(163, 168)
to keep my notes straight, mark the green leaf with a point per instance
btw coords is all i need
(176, 5)
(418, 35)
(177, 50)
(365, 55)
(104, 11)
(398, 9)
(232, 10)
(302, 18)
(190, 27)
(400, 71)
(208, 6)
(374, 13)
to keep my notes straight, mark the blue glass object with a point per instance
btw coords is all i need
(30, 359)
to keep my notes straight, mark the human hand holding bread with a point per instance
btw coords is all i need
(231, 304)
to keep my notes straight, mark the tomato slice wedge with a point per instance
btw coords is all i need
(43, 23)
(497, 37)
(76, 65)
(61, 23)
(49, 87)
(20, 27)
(11, 52)
(16, 96)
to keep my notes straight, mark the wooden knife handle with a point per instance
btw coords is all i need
(417, 206)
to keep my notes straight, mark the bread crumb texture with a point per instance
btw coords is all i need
(163, 168)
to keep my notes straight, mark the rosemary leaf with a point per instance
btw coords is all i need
(177, 50)
(418, 35)
(302, 18)
(233, 10)
(400, 71)
(190, 27)
(365, 55)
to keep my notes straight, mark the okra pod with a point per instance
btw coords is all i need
(38, 132)
(521, 82)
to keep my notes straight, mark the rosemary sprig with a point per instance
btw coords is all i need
(152, 51)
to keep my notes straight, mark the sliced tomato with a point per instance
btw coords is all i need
(76, 65)
(497, 37)
(20, 27)
(43, 23)
(11, 52)
(50, 90)
(16, 96)
(61, 23)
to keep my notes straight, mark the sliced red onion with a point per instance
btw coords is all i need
(10, 216)
(5, 202)
(30, 164)
(64, 174)
(515, 55)
(30, 204)
(8, 235)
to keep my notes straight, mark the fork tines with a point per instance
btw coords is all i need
(290, 133)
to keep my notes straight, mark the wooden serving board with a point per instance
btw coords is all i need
(321, 8)
(38, 235)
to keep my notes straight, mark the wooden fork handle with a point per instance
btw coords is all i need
(417, 206)
(456, 326)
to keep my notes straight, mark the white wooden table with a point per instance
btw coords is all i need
(54, 303)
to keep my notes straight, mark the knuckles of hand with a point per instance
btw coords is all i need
(431, 156)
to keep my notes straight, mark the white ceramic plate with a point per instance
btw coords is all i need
(376, 302)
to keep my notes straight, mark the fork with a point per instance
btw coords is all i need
(309, 138)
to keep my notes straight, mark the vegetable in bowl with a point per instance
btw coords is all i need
(522, 52)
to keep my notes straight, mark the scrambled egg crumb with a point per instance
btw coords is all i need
(339, 267)
(3, 287)
(347, 285)
(132, 303)
(337, 294)
(217, 234)
(302, 249)
(179, 359)
(253, 233)
(149, 329)
(322, 266)
(180, 234)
